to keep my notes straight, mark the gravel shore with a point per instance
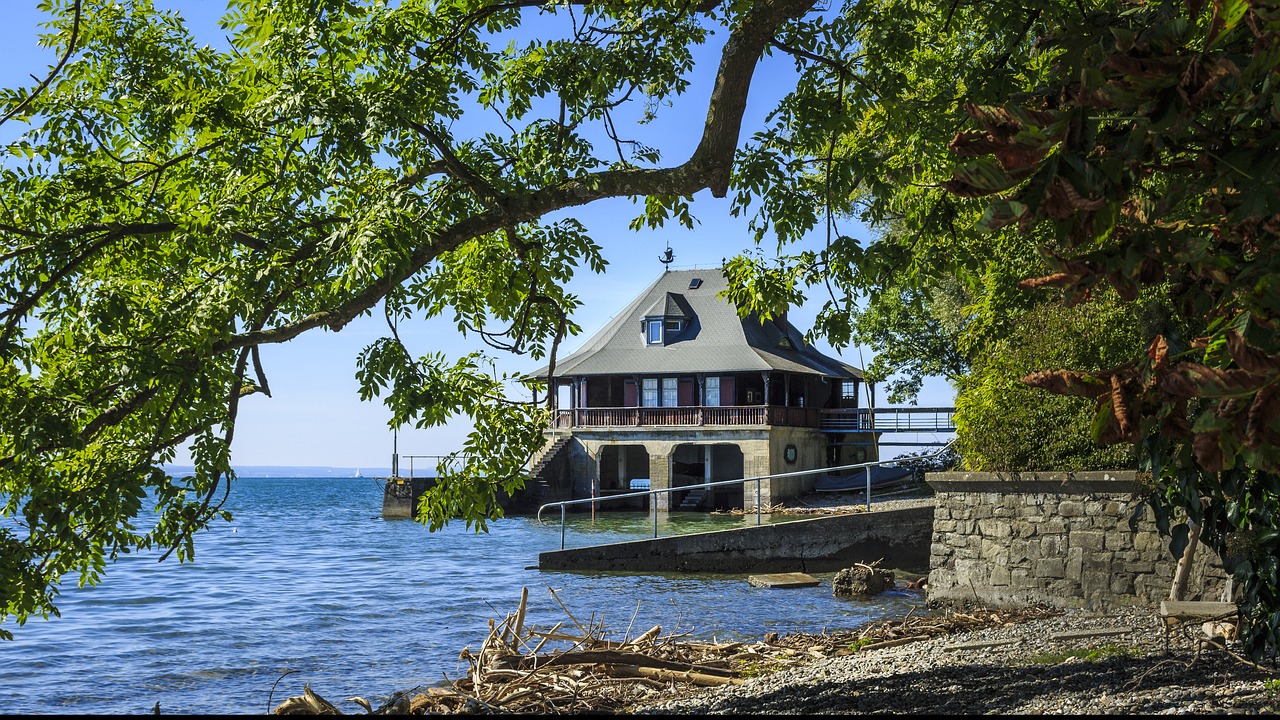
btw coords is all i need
(1077, 662)
(1074, 663)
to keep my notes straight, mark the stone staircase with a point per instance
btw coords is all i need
(694, 499)
(539, 489)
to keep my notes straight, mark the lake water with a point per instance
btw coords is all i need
(308, 584)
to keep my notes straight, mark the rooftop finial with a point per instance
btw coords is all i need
(667, 258)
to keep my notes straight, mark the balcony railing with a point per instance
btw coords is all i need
(686, 416)
(886, 420)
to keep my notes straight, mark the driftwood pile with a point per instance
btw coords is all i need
(572, 668)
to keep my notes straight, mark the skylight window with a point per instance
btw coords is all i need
(695, 283)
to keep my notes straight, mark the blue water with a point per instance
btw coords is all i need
(309, 585)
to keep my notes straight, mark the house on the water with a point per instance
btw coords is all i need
(678, 389)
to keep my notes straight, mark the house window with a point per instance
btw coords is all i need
(674, 326)
(649, 398)
(655, 332)
(670, 392)
(713, 392)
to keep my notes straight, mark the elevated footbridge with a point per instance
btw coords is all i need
(892, 421)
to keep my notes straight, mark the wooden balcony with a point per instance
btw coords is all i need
(686, 416)
(881, 420)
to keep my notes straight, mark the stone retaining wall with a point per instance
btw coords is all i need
(1057, 539)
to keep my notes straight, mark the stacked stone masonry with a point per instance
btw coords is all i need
(1057, 539)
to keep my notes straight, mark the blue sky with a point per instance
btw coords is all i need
(315, 416)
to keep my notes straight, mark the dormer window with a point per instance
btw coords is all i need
(653, 331)
(669, 316)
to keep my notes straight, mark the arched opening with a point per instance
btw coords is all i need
(698, 464)
(622, 468)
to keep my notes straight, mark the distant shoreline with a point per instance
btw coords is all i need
(294, 471)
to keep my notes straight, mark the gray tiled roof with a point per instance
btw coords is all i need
(715, 339)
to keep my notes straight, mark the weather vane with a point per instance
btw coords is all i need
(667, 258)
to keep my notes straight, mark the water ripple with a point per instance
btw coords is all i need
(314, 587)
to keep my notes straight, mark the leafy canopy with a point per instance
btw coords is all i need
(1047, 152)
(173, 207)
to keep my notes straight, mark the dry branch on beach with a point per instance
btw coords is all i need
(573, 667)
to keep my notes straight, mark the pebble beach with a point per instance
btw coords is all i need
(1073, 662)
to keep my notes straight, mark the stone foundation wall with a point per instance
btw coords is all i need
(1057, 539)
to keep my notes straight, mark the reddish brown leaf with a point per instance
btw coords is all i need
(1067, 382)
(1208, 451)
(1177, 426)
(1075, 199)
(960, 188)
(1054, 280)
(1248, 357)
(1124, 416)
(973, 143)
(1212, 382)
(1263, 410)
(1017, 158)
(1173, 382)
(1158, 351)
(1125, 287)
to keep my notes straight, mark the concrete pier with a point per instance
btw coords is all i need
(400, 496)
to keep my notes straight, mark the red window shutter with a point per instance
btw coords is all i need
(727, 394)
(629, 396)
(684, 394)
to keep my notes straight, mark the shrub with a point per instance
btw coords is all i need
(1004, 425)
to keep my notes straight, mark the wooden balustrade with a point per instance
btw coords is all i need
(837, 419)
(678, 416)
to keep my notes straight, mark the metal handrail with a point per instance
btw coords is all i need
(757, 480)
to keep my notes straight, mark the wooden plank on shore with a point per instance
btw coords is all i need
(794, 579)
(1082, 634)
(981, 644)
(893, 643)
(1189, 608)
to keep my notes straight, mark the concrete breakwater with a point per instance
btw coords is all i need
(898, 539)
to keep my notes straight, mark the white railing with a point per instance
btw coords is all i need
(652, 494)
(907, 419)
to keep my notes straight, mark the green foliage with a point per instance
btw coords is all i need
(168, 208)
(1018, 148)
(171, 207)
(1003, 424)
(914, 333)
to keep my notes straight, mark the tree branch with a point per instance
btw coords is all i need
(71, 46)
(709, 167)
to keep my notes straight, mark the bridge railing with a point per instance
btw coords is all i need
(652, 494)
(906, 419)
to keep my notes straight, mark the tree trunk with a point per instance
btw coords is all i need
(1183, 573)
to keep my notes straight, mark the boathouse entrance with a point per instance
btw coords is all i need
(623, 469)
(696, 464)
